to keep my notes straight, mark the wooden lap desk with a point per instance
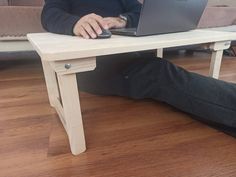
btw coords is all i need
(63, 56)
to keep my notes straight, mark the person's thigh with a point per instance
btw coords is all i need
(108, 77)
(211, 100)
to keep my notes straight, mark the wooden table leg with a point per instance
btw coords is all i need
(68, 106)
(72, 112)
(160, 53)
(51, 82)
(215, 65)
(216, 58)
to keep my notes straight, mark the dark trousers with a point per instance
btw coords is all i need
(140, 76)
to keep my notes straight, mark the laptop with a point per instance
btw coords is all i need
(166, 16)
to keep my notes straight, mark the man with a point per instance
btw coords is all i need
(139, 75)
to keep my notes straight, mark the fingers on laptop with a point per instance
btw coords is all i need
(115, 22)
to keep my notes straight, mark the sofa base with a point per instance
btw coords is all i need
(15, 46)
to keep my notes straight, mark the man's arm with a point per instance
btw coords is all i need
(56, 17)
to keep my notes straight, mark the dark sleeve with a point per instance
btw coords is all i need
(132, 11)
(56, 18)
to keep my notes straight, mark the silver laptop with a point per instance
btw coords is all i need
(166, 16)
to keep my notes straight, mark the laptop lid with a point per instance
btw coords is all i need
(167, 16)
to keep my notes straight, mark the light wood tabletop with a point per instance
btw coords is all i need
(53, 47)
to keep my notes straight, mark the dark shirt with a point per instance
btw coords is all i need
(60, 16)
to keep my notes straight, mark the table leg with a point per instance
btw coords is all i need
(160, 53)
(72, 112)
(216, 58)
(215, 65)
(68, 106)
(51, 82)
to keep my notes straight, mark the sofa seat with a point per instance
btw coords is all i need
(218, 16)
(17, 21)
(3, 2)
(19, 17)
(26, 3)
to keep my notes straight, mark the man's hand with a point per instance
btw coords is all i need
(115, 22)
(90, 26)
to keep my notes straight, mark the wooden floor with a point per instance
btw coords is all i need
(125, 138)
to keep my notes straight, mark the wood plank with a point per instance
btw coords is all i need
(53, 47)
(72, 113)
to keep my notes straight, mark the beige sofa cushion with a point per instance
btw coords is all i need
(19, 20)
(230, 3)
(26, 2)
(218, 17)
(3, 2)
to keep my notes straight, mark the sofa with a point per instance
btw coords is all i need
(19, 17)
(218, 15)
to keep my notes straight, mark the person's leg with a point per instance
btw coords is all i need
(226, 129)
(210, 100)
(207, 98)
(107, 78)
